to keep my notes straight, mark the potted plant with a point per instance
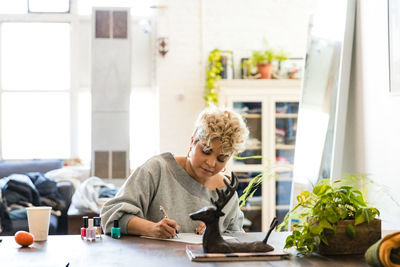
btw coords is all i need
(213, 74)
(262, 60)
(213, 71)
(333, 219)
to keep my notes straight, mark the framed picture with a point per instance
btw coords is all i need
(394, 45)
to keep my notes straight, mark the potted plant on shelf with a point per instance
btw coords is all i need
(263, 61)
(333, 219)
(213, 74)
(220, 65)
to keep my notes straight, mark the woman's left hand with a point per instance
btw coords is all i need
(200, 229)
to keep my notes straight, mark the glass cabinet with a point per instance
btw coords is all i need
(270, 108)
(285, 141)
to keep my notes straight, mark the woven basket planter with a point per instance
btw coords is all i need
(341, 244)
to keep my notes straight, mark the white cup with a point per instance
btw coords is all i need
(39, 221)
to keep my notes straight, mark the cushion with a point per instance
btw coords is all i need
(36, 165)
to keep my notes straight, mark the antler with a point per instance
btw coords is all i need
(225, 196)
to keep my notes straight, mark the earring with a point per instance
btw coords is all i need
(223, 170)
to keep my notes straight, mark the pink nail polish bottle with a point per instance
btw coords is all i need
(91, 231)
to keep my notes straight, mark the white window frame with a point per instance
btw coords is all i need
(73, 19)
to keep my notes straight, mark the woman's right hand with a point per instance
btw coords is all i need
(166, 228)
(200, 229)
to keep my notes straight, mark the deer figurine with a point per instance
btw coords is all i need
(212, 239)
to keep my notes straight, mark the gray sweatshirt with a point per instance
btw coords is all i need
(162, 181)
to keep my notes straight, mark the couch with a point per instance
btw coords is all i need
(58, 224)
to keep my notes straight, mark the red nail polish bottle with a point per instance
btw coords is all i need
(85, 226)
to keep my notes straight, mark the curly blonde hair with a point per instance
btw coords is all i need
(222, 124)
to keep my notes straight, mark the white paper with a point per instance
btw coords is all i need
(190, 238)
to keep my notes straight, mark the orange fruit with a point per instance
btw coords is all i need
(23, 238)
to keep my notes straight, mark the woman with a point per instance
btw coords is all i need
(181, 185)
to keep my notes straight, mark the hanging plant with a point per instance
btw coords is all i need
(213, 72)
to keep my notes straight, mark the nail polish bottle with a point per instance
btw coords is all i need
(97, 225)
(85, 226)
(91, 231)
(116, 231)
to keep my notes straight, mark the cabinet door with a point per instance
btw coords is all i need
(248, 164)
(285, 139)
(252, 207)
(252, 113)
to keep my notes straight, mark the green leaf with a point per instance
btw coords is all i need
(367, 215)
(325, 224)
(323, 238)
(316, 229)
(342, 212)
(346, 187)
(358, 198)
(296, 234)
(289, 241)
(320, 189)
(351, 231)
(303, 196)
(374, 212)
(332, 216)
(359, 217)
(249, 157)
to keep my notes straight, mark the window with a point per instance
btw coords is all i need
(60, 6)
(44, 64)
(13, 7)
(45, 77)
(35, 82)
(35, 125)
(32, 6)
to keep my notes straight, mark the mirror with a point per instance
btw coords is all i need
(323, 104)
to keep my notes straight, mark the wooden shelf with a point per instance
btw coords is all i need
(260, 83)
(288, 179)
(282, 207)
(284, 147)
(284, 168)
(285, 115)
(250, 208)
(251, 116)
(255, 147)
(244, 180)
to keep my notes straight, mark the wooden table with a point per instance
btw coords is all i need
(59, 250)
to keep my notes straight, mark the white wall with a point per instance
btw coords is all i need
(194, 28)
(372, 134)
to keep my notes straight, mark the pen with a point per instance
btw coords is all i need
(164, 212)
(166, 215)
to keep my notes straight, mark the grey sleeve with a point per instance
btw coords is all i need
(133, 199)
(234, 216)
